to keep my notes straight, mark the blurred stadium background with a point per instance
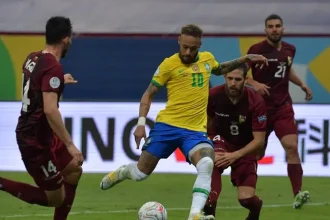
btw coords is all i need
(118, 44)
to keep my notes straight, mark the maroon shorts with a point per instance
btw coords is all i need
(281, 121)
(243, 171)
(45, 164)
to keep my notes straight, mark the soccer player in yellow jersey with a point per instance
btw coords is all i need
(183, 122)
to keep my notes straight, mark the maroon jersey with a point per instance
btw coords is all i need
(235, 123)
(276, 74)
(41, 73)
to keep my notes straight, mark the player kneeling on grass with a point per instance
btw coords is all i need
(237, 127)
(47, 150)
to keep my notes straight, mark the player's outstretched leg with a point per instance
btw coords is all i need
(71, 175)
(216, 186)
(202, 156)
(135, 171)
(295, 171)
(244, 176)
(25, 192)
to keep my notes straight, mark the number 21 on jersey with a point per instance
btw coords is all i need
(25, 91)
(280, 73)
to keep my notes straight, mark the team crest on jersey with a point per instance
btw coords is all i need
(207, 66)
(195, 67)
(54, 82)
(289, 61)
(241, 119)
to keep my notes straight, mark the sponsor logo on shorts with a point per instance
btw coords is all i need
(147, 142)
(262, 118)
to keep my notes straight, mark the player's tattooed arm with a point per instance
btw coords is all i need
(229, 66)
(146, 99)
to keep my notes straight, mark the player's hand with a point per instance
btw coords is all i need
(256, 58)
(68, 79)
(261, 88)
(225, 159)
(76, 154)
(309, 94)
(139, 133)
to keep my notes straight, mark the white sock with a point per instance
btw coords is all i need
(202, 186)
(132, 172)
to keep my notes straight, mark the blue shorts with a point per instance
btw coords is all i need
(164, 139)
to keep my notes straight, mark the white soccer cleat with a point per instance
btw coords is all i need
(111, 179)
(201, 216)
(301, 199)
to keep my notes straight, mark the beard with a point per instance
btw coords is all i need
(187, 59)
(275, 39)
(64, 52)
(235, 92)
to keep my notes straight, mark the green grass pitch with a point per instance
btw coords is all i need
(174, 192)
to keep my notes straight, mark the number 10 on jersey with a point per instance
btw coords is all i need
(197, 80)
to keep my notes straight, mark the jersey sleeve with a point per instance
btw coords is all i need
(52, 80)
(290, 59)
(214, 63)
(259, 116)
(161, 75)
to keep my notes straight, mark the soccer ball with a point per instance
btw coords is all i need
(152, 211)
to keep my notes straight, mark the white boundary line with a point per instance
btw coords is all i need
(168, 209)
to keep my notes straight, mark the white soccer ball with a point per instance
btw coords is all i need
(152, 211)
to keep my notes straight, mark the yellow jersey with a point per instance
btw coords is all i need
(187, 90)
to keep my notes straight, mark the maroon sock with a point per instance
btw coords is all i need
(295, 173)
(253, 204)
(62, 212)
(25, 192)
(216, 186)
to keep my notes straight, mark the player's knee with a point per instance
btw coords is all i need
(56, 198)
(291, 148)
(74, 176)
(205, 166)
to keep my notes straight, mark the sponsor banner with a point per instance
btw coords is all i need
(310, 64)
(104, 133)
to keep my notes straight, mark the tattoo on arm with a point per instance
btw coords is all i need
(147, 98)
(229, 66)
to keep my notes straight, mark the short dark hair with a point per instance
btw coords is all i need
(243, 68)
(58, 28)
(273, 17)
(192, 30)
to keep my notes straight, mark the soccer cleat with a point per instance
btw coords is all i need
(111, 179)
(201, 216)
(300, 199)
